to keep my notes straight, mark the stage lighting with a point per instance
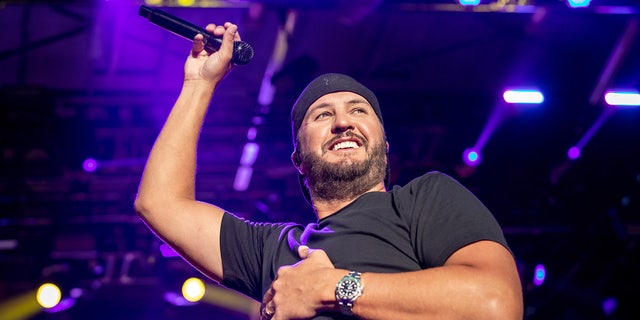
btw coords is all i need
(539, 274)
(469, 2)
(523, 96)
(609, 305)
(168, 252)
(578, 3)
(249, 153)
(48, 295)
(573, 153)
(186, 3)
(193, 289)
(243, 177)
(471, 157)
(90, 165)
(622, 98)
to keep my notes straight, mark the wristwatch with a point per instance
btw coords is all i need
(348, 289)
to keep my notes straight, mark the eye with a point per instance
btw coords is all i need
(322, 115)
(359, 111)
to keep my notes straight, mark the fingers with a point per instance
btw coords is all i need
(268, 308)
(303, 252)
(226, 49)
(198, 45)
(267, 311)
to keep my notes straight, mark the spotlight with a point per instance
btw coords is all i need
(90, 165)
(193, 289)
(622, 98)
(573, 153)
(539, 274)
(523, 96)
(48, 295)
(578, 3)
(469, 2)
(471, 157)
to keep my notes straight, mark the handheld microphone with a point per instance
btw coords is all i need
(242, 51)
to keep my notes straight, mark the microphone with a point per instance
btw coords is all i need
(242, 51)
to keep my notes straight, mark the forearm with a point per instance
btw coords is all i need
(451, 292)
(170, 169)
(166, 198)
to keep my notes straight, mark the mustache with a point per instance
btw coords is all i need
(346, 134)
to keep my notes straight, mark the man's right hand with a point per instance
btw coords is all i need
(211, 67)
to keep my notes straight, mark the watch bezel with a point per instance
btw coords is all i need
(346, 294)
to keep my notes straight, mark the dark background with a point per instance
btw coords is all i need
(82, 79)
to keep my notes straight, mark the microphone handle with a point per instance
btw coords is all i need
(242, 51)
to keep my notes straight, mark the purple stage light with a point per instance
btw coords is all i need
(539, 274)
(249, 153)
(573, 153)
(64, 304)
(609, 305)
(177, 299)
(471, 157)
(90, 165)
(167, 251)
(243, 177)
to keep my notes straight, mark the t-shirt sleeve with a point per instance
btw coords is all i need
(243, 245)
(444, 217)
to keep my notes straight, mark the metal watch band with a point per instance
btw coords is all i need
(346, 304)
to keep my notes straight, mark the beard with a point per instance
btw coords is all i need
(345, 179)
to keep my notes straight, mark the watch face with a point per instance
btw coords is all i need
(348, 289)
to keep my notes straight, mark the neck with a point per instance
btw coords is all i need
(325, 208)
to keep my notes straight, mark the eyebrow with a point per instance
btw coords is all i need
(350, 102)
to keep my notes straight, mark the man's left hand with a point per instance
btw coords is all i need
(304, 289)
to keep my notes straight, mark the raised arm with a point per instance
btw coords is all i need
(166, 196)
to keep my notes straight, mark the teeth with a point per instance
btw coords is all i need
(346, 144)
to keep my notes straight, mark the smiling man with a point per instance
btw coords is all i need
(340, 148)
(426, 250)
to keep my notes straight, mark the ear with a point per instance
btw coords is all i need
(295, 158)
(387, 143)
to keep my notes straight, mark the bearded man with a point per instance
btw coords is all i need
(426, 250)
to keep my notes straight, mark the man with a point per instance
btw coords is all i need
(428, 250)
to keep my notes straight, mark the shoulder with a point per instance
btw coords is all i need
(233, 222)
(428, 180)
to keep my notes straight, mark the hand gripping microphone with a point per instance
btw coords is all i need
(242, 51)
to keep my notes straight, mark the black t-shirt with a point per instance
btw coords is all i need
(409, 228)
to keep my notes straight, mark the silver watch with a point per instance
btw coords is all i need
(348, 289)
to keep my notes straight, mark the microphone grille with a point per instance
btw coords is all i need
(242, 53)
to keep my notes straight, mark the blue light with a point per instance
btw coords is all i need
(578, 3)
(523, 96)
(622, 98)
(539, 274)
(471, 157)
(469, 2)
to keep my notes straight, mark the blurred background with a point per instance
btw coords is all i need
(86, 85)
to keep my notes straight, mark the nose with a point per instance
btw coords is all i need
(342, 123)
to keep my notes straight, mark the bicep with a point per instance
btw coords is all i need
(485, 255)
(495, 263)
